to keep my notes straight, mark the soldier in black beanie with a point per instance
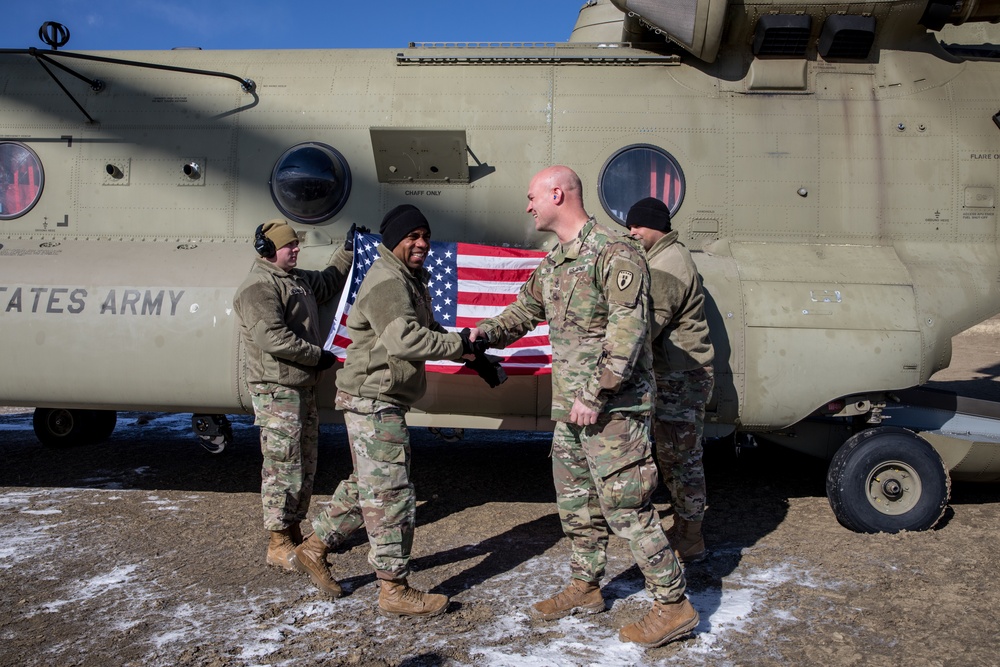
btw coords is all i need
(393, 332)
(399, 222)
(682, 362)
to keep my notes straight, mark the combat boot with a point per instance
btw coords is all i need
(580, 597)
(310, 558)
(396, 598)
(686, 539)
(664, 623)
(279, 548)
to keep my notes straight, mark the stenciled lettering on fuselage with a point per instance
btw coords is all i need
(76, 300)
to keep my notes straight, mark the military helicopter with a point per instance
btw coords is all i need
(834, 167)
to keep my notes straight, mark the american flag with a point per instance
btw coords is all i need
(468, 283)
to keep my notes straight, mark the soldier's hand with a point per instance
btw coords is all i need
(581, 415)
(470, 346)
(326, 359)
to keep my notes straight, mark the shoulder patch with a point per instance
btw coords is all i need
(624, 279)
(626, 283)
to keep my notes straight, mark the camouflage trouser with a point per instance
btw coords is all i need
(604, 477)
(378, 493)
(680, 423)
(289, 441)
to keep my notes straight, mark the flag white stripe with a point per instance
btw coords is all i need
(489, 286)
(494, 262)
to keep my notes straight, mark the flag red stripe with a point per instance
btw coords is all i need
(526, 359)
(462, 370)
(496, 251)
(485, 299)
(499, 275)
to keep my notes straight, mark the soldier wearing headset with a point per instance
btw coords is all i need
(277, 307)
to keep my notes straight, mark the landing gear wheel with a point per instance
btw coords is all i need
(62, 427)
(102, 424)
(887, 479)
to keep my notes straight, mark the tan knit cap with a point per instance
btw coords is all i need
(280, 233)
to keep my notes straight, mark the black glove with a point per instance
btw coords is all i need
(485, 366)
(326, 359)
(488, 367)
(349, 239)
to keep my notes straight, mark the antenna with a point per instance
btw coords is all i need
(54, 34)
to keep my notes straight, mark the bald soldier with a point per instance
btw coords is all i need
(682, 362)
(593, 288)
(278, 310)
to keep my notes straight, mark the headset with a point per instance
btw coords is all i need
(263, 245)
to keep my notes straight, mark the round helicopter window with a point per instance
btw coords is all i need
(21, 180)
(636, 172)
(310, 182)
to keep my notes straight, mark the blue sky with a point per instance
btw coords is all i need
(274, 24)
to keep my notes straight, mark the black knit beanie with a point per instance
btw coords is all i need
(399, 222)
(650, 213)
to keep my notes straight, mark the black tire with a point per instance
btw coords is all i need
(887, 479)
(62, 427)
(102, 424)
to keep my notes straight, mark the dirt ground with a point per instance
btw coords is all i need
(148, 551)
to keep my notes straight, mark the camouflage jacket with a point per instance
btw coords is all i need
(393, 333)
(680, 331)
(279, 319)
(594, 292)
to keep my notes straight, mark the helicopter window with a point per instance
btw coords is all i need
(636, 172)
(21, 180)
(310, 182)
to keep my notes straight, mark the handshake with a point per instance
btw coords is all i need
(486, 366)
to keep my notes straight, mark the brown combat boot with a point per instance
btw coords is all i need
(664, 623)
(396, 598)
(686, 539)
(310, 558)
(279, 548)
(580, 597)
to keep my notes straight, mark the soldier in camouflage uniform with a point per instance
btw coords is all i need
(593, 288)
(682, 361)
(277, 307)
(393, 332)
